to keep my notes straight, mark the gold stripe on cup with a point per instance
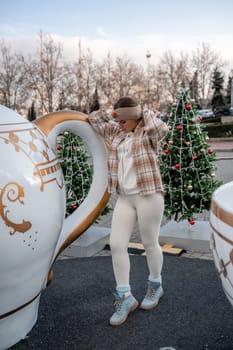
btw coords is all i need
(221, 213)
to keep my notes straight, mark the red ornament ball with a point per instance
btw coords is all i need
(166, 151)
(188, 106)
(180, 127)
(195, 156)
(192, 222)
(114, 115)
(58, 147)
(177, 166)
(200, 117)
(74, 206)
(210, 151)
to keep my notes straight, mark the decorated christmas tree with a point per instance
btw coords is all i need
(77, 169)
(76, 164)
(187, 162)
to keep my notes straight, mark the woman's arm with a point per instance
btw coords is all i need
(101, 122)
(154, 126)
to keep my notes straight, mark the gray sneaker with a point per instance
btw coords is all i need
(153, 294)
(123, 306)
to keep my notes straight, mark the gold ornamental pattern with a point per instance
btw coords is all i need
(10, 193)
(26, 139)
(224, 268)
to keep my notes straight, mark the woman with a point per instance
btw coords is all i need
(133, 173)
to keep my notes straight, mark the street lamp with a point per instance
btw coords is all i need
(148, 56)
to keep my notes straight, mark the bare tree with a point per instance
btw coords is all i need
(67, 88)
(11, 77)
(203, 60)
(79, 77)
(89, 79)
(171, 73)
(52, 83)
(85, 76)
(139, 88)
(43, 75)
(31, 81)
(119, 77)
(105, 80)
(125, 75)
(51, 71)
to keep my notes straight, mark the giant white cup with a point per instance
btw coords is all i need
(221, 222)
(33, 228)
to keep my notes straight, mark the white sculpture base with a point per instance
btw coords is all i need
(189, 237)
(89, 244)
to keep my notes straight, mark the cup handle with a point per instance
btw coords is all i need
(53, 124)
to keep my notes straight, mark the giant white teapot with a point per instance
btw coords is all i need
(33, 227)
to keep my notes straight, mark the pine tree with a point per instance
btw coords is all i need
(218, 102)
(95, 101)
(228, 91)
(186, 162)
(32, 112)
(194, 88)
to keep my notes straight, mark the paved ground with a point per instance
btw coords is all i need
(194, 313)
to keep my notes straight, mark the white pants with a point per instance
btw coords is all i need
(148, 211)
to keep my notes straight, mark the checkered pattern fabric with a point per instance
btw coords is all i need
(145, 145)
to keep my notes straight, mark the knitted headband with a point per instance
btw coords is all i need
(125, 113)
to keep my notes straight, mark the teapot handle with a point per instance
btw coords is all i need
(56, 123)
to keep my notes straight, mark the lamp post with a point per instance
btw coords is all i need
(148, 56)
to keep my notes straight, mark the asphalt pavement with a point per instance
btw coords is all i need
(193, 314)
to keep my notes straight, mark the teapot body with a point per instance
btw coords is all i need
(33, 227)
(32, 209)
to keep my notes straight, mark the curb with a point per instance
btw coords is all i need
(221, 144)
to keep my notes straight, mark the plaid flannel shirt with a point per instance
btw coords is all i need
(145, 145)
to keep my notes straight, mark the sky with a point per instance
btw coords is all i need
(121, 27)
